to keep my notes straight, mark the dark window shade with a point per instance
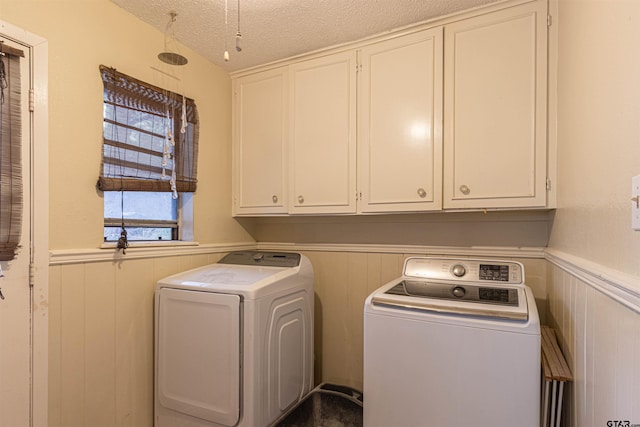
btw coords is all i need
(10, 152)
(136, 116)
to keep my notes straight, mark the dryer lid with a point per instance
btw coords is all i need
(240, 275)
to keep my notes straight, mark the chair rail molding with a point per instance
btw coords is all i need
(621, 287)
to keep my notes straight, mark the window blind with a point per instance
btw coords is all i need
(149, 134)
(10, 152)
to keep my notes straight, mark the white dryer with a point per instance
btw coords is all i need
(234, 341)
(452, 343)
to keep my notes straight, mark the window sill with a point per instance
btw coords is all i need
(150, 244)
(107, 252)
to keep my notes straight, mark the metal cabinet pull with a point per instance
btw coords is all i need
(300, 199)
(1, 295)
(465, 190)
(274, 198)
(422, 193)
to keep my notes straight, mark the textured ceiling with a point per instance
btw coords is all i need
(277, 29)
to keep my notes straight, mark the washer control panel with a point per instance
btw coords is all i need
(464, 270)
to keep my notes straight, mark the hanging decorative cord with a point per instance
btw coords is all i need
(3, 78)
(170, 142)
(183, 127)
(123, 242)
(183, 130)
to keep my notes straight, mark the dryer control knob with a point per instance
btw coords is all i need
(458, 291)
(458, 270)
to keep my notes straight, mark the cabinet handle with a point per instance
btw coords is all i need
(422, 193)
(465, 190)
(300, 199)
(275, 199)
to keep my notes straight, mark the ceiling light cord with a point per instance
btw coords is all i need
(238, 34)
(226, 28)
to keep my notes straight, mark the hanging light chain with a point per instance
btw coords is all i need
(238, 34)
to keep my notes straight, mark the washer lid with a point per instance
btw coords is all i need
(494, 301)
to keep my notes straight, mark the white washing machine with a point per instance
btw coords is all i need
(452, 343)
(234, 341)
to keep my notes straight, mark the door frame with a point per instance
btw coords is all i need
(38, 217)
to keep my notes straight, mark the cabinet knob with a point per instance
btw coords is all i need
(465, 190)
(275, 199)
(300, 199)
(422, 193)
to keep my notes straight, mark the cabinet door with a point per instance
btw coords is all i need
(259, 142)
(322, 131)
(400, 124)
(495, 109)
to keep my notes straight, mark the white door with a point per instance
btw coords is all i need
(15, 303)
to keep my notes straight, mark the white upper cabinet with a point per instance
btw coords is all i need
(400, 124)
(260, 108)
(322, 154)
(495, 148)
(450, 115)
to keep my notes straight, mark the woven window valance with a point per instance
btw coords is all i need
(149, 135)
(10, 152)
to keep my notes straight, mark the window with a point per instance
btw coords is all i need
(150, 148)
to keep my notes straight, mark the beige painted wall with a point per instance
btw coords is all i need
(598, 152)
(462, 229)
(598, 131)
(83, 34)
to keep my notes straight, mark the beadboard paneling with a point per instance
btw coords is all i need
(600, 338)
(343, 280)
(101, 339)
(101, 319)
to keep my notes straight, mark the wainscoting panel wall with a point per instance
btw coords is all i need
(101, 319)
(101, 339)
(597, 320)
(344, 277)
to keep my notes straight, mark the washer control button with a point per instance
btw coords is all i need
(458, 291)
(458, 270)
